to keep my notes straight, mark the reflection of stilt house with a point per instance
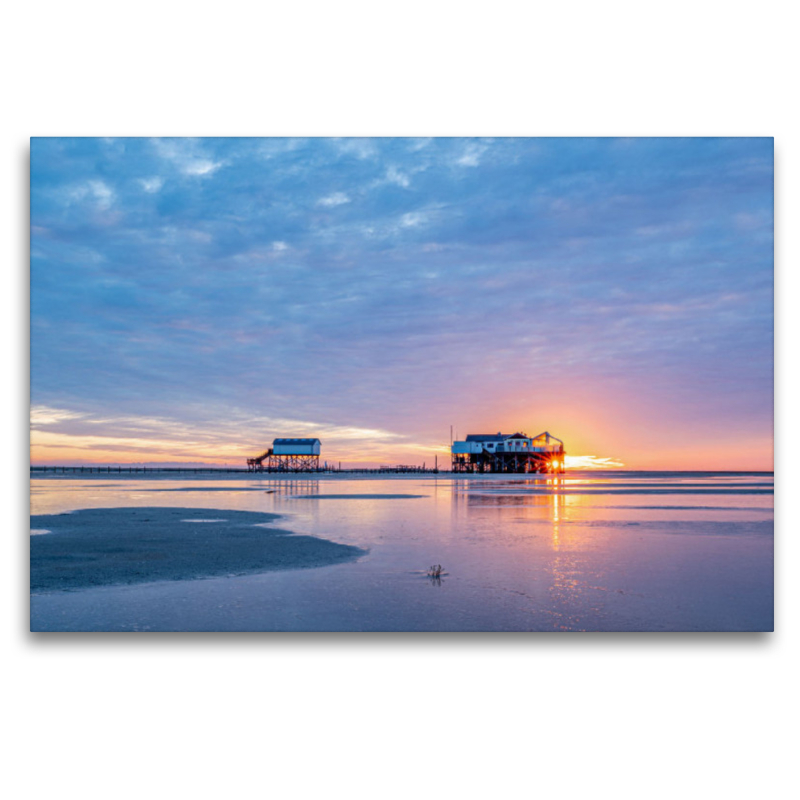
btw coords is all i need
(509, 453)
(288, 455)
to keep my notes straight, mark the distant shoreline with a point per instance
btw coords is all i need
(223, 473)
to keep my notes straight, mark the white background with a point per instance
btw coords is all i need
(632, 716)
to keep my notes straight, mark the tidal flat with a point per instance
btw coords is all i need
(587, 551)
(110, 546)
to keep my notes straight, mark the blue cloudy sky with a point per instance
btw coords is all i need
(193, 299)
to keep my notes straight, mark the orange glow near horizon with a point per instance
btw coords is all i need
(76, 454)
(65, 438)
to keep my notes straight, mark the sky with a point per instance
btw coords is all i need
(193, 299)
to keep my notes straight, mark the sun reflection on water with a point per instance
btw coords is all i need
(539, 504)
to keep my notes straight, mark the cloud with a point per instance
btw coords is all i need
(277, 147)
(90, 437)
(413, 219)
(471, 155)
(360, 148)
(44, 415)
(333, 200)
(95, 191)
(393, 175)
(187, 155)
(200, 166)
(152, 185)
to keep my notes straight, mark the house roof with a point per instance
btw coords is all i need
(548, 436)
(485, 437)
(295, 441)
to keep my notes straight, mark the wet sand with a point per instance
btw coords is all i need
(519, 554)
(107, 546)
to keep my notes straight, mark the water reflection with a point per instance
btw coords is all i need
(542, 501)
(526, 553)
(516, 495)
(568, 570)
(305, 488)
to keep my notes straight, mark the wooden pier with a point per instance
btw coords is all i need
(128, 470)
(319, 470)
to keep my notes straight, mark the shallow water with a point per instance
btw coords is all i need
(589, 551)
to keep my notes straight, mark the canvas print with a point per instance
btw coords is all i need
(396, 384)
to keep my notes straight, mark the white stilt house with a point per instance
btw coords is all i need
(288, 455)
(515, 452)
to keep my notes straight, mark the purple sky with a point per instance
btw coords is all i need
(193, 299)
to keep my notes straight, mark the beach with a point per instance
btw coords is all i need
(587, 552)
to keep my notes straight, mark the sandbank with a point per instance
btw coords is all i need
(105, 546)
